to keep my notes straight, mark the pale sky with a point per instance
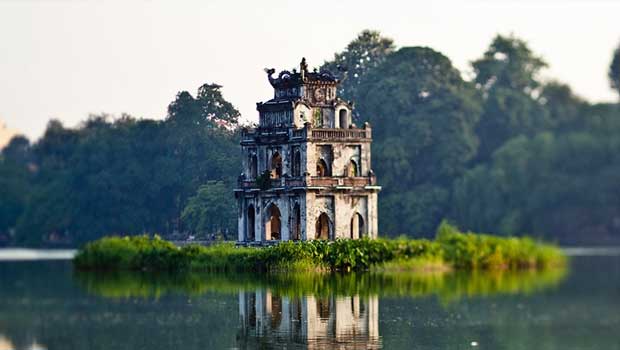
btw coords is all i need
(67, 59)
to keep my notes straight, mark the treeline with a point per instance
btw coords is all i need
(123, 176)
(503, 151)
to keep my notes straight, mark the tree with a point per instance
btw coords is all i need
(126, 175)
(507, 75)
(212, 210)
(424, 115)
(17, 150)
(361, 56)
(564, 108)
(15, 175)
(209, 108)
(559, 184)
(614, 71)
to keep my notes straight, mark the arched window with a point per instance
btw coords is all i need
(253, 166)
(251, 220)
(321, 168)
(297, 163)
(322, 227)
(272, 223)
(343, 118)
(357, 226)
(276, 166)
(296, 223)
(352, 169)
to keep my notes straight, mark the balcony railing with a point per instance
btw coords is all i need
(307, 133)
(339, 134)
(313, 181)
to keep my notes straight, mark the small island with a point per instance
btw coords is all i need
(451, 249)
(307, 201)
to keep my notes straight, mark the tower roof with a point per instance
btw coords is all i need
(286, 79)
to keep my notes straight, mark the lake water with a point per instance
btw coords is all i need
(45, 304)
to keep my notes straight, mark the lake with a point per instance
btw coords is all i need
(45, 304)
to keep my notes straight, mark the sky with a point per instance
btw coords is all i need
(66, 59)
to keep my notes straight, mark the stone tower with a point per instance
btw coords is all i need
(306, 167)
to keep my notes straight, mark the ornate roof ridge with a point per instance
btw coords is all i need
(288, 79)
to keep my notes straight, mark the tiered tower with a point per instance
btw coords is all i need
(306, 167)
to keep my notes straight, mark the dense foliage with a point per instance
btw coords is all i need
(424, 116)
(451, 249)
(506, 152)
(503, 151)
(361, 56)
(121, 176)
(614, 71)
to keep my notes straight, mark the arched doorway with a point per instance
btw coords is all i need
(357, 226)
(272, 223)
(352, 169)
(343, 118)
(251, 227)
(322, 227)
(321, 168)
(276, 166)
(296, 223)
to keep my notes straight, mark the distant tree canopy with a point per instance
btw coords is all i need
(504, 152)
(360, 57)
(424, 116)
(212, 210)
(121, 176)
(507, 75)
(614, 71)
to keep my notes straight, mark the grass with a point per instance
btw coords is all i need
(451, 249)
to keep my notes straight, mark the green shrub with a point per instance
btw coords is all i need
(451, 248)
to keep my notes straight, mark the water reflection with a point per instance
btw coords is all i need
(351, 322)
(48, 305)
(448, 287)
(316, 311)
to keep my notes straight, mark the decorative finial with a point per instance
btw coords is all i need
(270, 72)
(303, 68)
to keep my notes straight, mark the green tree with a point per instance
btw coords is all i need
(563, 107)
(614, 71)
(15, 175)
(507, 74)
(209, 108)
(212, 210)
(559, 184)
(361, 56)
(424, 115)
(128, 176)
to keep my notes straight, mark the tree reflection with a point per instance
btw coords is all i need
(448, 286)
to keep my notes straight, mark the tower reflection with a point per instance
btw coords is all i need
(347, 322)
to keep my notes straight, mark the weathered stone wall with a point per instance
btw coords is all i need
(303, 114)
(346, 206)
(316, 205)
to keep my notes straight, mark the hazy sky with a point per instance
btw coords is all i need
(66, 59)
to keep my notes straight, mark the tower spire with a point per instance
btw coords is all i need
(303, 68)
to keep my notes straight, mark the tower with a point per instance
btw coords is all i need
(306, 167)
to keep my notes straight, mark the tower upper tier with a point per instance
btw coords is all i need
(304, 97)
